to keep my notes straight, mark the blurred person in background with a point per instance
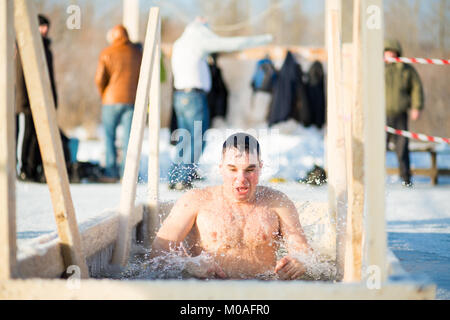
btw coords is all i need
(117, 78)
(404, 93)
(32, 168)
(192, 83)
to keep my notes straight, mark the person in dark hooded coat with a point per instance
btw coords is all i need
(32, 167)
(289, 99)
(316, 94)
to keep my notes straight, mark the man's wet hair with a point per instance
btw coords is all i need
(243, 142)
(43, 20)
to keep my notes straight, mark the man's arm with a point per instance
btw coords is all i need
(177, 225)
(417, 95)
(289, 268)
(101, 76)
(175, 229)
(290, 227)
(210, 42)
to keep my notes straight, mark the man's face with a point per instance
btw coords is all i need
(390, 54)
(240, 173)
(43, 29)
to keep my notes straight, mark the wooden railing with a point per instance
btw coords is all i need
(149, 82)
(22, 15)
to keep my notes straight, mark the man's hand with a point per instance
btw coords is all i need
(204, 269)
(415, 114)
(289, 268)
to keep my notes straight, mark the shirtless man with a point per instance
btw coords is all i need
(238, 225)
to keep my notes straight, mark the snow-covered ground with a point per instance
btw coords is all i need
(418, 219)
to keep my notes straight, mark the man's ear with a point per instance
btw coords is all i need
(261, 164)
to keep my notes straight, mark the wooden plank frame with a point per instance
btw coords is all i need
(132, 163)
(154, 125)
(355, 160)
(252, 289)
(210, 290)
(7, 143)
(347, 99)
(336, 154)
(373, 101)
(354, 136)
(44, 116)
(131, 18)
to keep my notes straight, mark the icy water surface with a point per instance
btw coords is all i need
(425, 254)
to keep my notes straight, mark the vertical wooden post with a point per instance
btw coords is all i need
(373, 90)
(44, 116)
(131, 19)
(7, 144)
(335, 138)
(154, 124)
(355, 160)
(129, 183)
(347, 20)
(434, 169)
(347, 62)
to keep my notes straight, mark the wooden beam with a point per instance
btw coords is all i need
(154, 123)
(129, 183)
(347, 63)
(355, 150)
(46, 261)
(357, 200)
(44, 116)
(347, 25)
(7, 143)
(211, 290)
(337, 184)
(131, 18)
(373, 90)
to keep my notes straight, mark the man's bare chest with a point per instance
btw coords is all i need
(222, 227)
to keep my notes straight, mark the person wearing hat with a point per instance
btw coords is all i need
(404, 93)
(31, 168)
(117, 79)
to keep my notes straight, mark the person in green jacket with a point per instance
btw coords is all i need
(404, 93)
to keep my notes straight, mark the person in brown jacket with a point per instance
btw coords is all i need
(117, 79)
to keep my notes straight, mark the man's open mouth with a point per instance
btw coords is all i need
(242, 190)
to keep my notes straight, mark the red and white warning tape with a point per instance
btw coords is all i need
(417, 136)
(419, 60)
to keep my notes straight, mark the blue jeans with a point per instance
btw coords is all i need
(192, 113)
(113, 116)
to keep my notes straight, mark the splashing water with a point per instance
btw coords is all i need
(317, 267)
(171, 265)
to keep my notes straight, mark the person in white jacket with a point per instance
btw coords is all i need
(192, 82)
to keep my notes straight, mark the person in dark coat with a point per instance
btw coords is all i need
(32, 169)
(289, 100)
(316, 94)
(218, 96)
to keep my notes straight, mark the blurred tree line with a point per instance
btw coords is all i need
(420, 25)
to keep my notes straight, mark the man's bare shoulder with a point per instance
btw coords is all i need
(273, 197)
(200, 196)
